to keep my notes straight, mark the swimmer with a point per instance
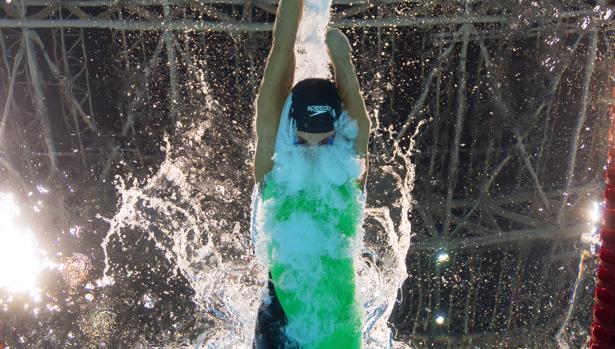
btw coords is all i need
(321, 114)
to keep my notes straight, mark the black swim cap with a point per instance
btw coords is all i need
(315, 105)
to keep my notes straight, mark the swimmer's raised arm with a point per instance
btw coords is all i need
(349, 90)
(276, 83)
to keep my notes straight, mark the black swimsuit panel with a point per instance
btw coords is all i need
(270, 324)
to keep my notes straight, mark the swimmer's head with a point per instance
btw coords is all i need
(315, 106)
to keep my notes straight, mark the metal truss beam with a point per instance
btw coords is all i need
(85, 18)
(560, 233)
(110, 3)
(235, 26)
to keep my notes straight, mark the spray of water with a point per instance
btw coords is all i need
(198, 221)
(310, 50)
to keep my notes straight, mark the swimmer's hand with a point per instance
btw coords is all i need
(338, 44)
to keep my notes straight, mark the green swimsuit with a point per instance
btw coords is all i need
(321, 307)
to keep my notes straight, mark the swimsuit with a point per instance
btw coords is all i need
(270, 323)
(307, 230)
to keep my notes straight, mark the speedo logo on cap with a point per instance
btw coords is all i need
(318, 109)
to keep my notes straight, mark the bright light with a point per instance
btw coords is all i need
(595, 213)
(19, 259)
(440, 320)
(592, 237)
(8, 209)
(443, 257)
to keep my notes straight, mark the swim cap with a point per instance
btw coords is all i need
(315, 105)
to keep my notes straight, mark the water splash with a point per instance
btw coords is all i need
(195, 211)
(311, 52)
(174, 212)
(185, 231)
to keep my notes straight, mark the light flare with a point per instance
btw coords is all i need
(443, 257)
(20, 261)
(591, 237)
(595, 213)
